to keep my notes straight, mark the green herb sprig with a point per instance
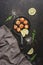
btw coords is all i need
(33, 35)
(9, 18)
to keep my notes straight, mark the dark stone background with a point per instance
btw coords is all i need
(21, 8)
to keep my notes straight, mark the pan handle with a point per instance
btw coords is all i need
(21, 40)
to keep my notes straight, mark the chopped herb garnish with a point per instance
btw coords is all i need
(33, 58)
(9, 18)
(33, 35)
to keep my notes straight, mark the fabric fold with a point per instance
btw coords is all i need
(9, 50)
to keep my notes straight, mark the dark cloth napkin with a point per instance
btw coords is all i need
(9, 50)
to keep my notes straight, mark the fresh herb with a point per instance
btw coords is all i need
(33, 58)
(9, 18)
(33, 35)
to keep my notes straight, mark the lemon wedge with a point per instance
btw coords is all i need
(32, 11)
(27, 32)
(24, 32)
(30, 51)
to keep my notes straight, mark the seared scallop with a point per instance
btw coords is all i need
(17, 22)
(18, 29)
(27, 26)
(21, 26)
(15, 26)
(21, 19)
(25, 22)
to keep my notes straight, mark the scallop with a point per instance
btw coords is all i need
(26, 26)
(15, 26)
(21, 26)
(17, 22)
(21, 19)
(25, 22)
(18, 29)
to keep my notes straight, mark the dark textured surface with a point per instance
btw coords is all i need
(21, 7)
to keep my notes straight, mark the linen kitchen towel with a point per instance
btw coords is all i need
(9, 50)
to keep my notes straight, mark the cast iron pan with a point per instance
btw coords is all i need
(22, 42)
(19, 34)
(15, 23)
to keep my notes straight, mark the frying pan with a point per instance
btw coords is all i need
(15, 23)
(23, 45)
